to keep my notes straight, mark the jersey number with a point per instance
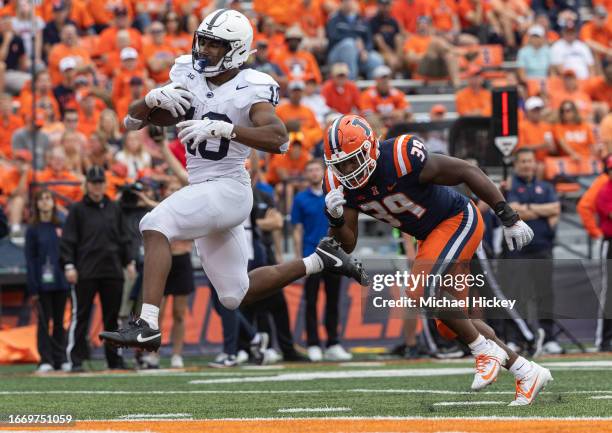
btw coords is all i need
(213, 155)
(394, 204)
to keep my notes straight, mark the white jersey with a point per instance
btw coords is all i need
(230, 102)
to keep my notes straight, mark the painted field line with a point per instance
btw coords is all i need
(602, 397)
(470, 403)
(348, 374)
(103, 374)
(314, 409)
(577, 364)
(156, 415)
(362, 364)
(263, 367)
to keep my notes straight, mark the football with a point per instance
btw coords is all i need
(161, 117)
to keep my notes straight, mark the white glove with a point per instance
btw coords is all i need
(334, 200)
(171, 97)
(196, 131)
(520, 233)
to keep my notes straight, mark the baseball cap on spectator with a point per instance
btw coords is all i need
(95, 174)
(128, 53)
(382, 71)
(536, 30)
(136, 81)
(23, 155)
(438, 109)
(67, 63)
(339, 69)
(296, 85)
(600, 11)
(534, 102)
(294, 32)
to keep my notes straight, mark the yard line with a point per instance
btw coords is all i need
(362, 364)
(314, 409)
(603, 397)
(156, 415)
(347, 374)
(469, 403)
(578, 364)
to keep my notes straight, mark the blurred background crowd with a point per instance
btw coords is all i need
(69, 70)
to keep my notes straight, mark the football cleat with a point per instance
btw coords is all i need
(258, 348)
(488, 365)
(528, 388)
(335, 260)
(227, 361)
(137, 334)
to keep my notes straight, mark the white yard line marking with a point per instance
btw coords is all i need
(349, 374)
(602, 397)
(469, 403)
(362, 364)
(314, 409)
(263, 367)
(577, 364)
(156, 415)
(156, 373)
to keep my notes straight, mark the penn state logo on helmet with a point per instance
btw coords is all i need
(228, 27)
(351, 150)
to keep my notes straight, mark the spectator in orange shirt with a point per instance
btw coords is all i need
(159, 55)
(570, 91)
(129, 69)
(513, 16)
(534, 133)
(133, 155)
(69, 47)
(72, 144)
(600, 90)
(178, 39)
(406, 13)
(103, 12)
(340, 93)
(297, 64)
(474, 100)
(431, 56)
(294, 110)
(107, 41)
(384, 102)
(65, 185)
(285, 172)
(97, 152)
(88, 114)
(71, 123)
(474, 16)
(597, 34)
(9, 123)
(108, 126)
(44, 95)
(445, 17)
(574, 137)
(605, 133)
(15, 178)
(136, 91)
(260, 61)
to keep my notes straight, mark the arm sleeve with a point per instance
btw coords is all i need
(70, 238)
(30, 253)
(587, 210)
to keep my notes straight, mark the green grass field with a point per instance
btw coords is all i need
(582, 387)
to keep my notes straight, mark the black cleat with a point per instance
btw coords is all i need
(137, 334)
(337, 261)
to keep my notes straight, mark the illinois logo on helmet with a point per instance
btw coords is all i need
(351, 150)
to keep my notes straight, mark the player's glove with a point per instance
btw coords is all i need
(334, 200)
(196, 131)
(516, 231)
(171, 97)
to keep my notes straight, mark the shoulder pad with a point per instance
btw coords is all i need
(181, 68)
(252, 76)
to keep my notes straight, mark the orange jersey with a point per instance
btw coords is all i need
(466, 7)
(300, 65)
(580, 98)
(406, 12)
(470, 103)
(599, 90)
(535, 134)
(587, 206)
(88, 124)
(121, 83)
(283, 165)
(181, 43)
(8, 125)
(102, 10)
(160, 52)
(107, 41)
(417, 44)
(64, 183)
(443, 14)
(605, 130)
(58, 52)
(601, 35)
(280, 11)
(344, 100)
(373, 102)
(25, 102)
(308, 122)
(578, 137)
(186, 7)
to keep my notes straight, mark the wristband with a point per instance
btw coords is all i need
(333, 221)
(506, 214)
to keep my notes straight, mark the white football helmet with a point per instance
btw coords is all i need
(230, 27)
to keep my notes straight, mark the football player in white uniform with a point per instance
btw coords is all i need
(230, 111)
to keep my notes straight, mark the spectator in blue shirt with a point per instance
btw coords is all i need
(47, 285)
(533, 59)
(537, 204)
(310, 226)
(350, 41)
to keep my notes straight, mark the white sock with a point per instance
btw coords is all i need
(520, 368)
(313, 264)
(149, 313)
(478, 346)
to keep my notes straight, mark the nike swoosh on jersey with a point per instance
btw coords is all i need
(337, 261)
(140, 339)
(240, 88)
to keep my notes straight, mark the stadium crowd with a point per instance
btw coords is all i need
(62, 129)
